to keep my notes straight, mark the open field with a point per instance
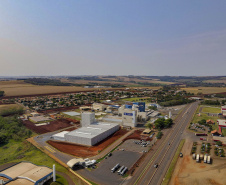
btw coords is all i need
(197, 118)
(20, 88)
(9, 106)
(188, 172)
(211, 110)
(216, 81)
(136, 99)
(205, 90)
(86, 151)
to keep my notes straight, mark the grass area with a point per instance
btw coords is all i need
(204, 90)
(224, 131)
(60, 180)
(24, 151)
(211, 110)
(197, 118)
(71, 117)
(173, 164)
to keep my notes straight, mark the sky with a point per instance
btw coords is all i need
(112, 37)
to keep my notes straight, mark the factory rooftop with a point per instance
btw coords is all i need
(93, 130)
(25, 173)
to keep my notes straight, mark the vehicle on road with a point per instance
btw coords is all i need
(181, 155)
(156, 165)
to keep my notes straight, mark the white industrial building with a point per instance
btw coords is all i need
(90, 133)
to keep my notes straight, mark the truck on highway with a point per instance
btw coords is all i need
(115, 168)
(205, 159)
(197, 158)
(208, 159)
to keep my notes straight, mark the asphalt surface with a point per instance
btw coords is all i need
(147, 173)
(103, 175)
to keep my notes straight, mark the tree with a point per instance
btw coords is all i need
(168, 123)
(149, 125)
(219, 143)
(2, 93)
(159, 135)
(152, 107)
(159, 123)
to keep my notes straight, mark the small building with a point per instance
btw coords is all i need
(221, 122)
(223, 110)
(215, 133)
(147, 131)
(99, 107)
(60, 136)
(210, 122)
(37, 119)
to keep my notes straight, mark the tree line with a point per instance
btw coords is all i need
(11, 128)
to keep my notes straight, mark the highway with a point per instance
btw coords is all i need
(147, 173)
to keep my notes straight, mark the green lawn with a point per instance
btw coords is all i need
(173, 164)
(211, 110)
(224, 131)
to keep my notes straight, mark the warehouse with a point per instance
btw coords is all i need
(92, 134)
(25, 173)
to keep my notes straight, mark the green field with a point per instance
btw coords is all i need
(211, 109)
(197, 118)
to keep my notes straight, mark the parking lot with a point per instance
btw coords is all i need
(103, 173)
(135, 145)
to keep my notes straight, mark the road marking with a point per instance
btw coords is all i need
(161, 146)
(50, 149)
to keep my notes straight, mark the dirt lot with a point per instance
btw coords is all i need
(137, 135)
(53, 126)
(86, 151)
(188, 172)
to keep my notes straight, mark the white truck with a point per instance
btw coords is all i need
(208, 160)
(197, 158)
(205, 158)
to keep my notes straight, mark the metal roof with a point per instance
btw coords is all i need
(92, 130)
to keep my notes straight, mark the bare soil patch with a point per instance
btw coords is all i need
(53, 126)
(187, 171)
(137, 135)
(86, 151)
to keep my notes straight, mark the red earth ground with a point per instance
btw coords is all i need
(86, 151)
(53, 126)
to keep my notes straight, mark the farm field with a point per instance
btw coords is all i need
(20, 88)
(9, 106)
(86, 151)
(204, 90)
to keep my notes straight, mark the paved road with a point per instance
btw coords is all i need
(147, 174)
